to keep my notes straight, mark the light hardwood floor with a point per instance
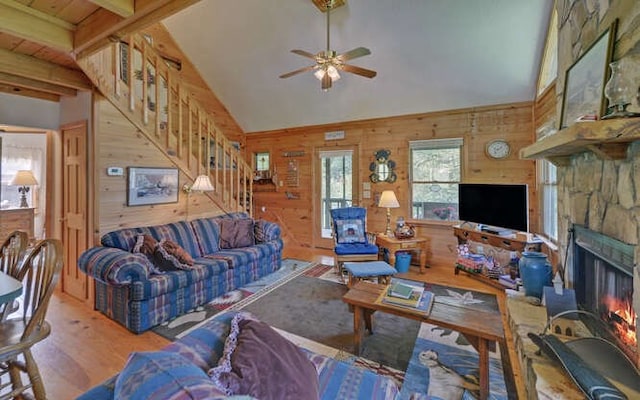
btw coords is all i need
(86, 348)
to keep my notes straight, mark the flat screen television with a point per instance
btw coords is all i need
(499, 206)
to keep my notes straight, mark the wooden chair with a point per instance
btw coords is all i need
(39, 274)
(11, 252)
(353, 243)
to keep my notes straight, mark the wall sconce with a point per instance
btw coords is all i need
(24, 179)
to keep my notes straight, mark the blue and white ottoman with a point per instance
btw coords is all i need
(368, 269)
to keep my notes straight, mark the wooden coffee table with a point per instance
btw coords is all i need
(481, 328)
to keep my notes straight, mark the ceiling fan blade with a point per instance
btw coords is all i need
(304, 54)
(326, 82)
(355, 53)
(367, 73)
(292, 73)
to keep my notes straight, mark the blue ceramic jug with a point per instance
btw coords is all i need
(535, 272)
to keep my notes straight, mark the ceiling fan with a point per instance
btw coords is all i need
(328, 62)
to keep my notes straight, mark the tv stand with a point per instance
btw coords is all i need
(496, 230)
(515, 241)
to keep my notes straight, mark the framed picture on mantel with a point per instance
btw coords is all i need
(583, 95)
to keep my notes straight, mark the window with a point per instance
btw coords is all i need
(435, 175)
(548, 199)
(549, 65)
(262, 161)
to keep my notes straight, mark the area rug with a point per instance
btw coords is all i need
(183, 324)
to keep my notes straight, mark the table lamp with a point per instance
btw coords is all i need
(24, 179)
(388, 199)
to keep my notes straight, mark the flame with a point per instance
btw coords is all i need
(624, 310)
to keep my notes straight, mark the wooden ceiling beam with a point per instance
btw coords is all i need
(31, 24)
(95, 31)
(28, 92)
(28, 83)
(123, 8)
(37, 69)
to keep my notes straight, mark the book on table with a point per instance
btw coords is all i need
(419, 299)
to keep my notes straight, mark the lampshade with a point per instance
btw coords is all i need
(24, 178)
(202, 183)
(388, 200)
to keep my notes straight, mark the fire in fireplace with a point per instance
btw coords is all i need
(603, 282)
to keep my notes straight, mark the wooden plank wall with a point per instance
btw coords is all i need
(476, 126)
(119, 144)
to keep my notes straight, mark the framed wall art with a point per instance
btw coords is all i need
(147, 185)
(584, 82)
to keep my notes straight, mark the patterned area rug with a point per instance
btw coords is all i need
(233, 300)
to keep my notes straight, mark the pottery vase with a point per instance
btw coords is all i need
(535, 272)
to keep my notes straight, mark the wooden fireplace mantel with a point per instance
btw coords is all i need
(608, 139)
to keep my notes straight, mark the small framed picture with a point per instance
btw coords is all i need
(148, 185)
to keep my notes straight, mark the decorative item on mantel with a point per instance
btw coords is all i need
(621, 89)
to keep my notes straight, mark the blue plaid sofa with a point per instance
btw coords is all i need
(204, 346)
(128, 291)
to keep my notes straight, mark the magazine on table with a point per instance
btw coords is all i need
(419, 298)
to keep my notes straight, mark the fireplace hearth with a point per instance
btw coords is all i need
(603, 282)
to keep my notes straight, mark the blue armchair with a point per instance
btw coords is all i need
(352, 242)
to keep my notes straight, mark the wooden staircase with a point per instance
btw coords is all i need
(170, 118)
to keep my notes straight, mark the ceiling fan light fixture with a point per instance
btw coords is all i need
(319, 74)
(333, 73)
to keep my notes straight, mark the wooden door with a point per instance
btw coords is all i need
(74, 211)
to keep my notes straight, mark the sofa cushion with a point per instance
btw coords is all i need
(169, 256)
(163, 375)
(259, 362)
(124, 239)
(208, 235)
(236, 233)
(180, 232)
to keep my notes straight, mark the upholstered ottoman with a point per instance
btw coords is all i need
(368, 269)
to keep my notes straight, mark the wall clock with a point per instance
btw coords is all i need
(498, 149)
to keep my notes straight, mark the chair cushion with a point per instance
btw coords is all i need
(163, 375)
(259, 362)
(369, 268)
(355, 248)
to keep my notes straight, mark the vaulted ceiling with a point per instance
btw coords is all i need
(429, 55)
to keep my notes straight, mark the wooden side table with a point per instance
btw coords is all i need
(392, 244)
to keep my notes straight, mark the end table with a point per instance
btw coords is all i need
(393, 244)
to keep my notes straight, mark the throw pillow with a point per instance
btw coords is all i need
(259, 362)
(177, 251)
(236, 233)
(169, 256)
(162, 375)
(145, 244)
(350, 231)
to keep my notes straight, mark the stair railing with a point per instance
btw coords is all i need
(150, 93)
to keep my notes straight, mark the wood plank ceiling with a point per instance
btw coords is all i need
(40, 39)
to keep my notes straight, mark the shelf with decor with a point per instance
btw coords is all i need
(607, 139)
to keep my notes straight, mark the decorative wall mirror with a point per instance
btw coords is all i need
(382, 168)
